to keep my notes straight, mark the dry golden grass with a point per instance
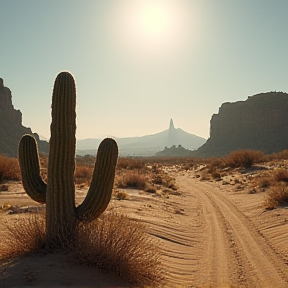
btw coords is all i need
(83, 175)
(117, 243)
(132, 179)
(244, 158)
(265, 182)
(280, 155)
(9, 168)
(130, 164)
(25, 236)
(113, 242)
(281, 175)
(277, 196)
(121, 195)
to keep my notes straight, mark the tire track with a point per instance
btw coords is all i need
(258, 264)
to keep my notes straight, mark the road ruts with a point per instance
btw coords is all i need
(235, 253)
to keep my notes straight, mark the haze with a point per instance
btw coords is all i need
(139, 63)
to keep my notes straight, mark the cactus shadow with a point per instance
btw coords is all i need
(54, 270)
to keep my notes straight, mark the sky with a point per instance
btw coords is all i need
(139, 63)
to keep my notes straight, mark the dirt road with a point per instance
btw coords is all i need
(214, 244)
(210, 234)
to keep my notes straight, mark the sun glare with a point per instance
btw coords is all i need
(157, 29)
(154, 19)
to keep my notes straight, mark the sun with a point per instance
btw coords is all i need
(152, 29)
(154, 19)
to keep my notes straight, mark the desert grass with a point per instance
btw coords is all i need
(265, 182)
(130, 163)
(9, 168)
(121, 195)
(280, 175)
(278, 195)
(83, 175)
(122, 246)
(113, 242)
(158, 177)
(132, 179)
(25, 236)
(280, 155)
(244, 158)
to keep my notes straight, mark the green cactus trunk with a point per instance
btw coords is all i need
(60, 198)
(59, 193)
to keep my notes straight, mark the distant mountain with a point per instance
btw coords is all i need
(259, 123)
(146, 145)
(11, 128)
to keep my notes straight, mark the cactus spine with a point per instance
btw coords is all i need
(59, 195)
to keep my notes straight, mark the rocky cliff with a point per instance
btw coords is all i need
(259, 123)
(11, 128)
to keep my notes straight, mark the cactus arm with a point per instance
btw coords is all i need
(60, 204)
(28, 156)
(99, 193)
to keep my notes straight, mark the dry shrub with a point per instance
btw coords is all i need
(130, 163)
(215, 163)
(83, 174)
(132, 179)
(278, 196)
(164, 180)
(281, 175)
(264, 182)
(116, 243)
(122, 195)
(216, 175)
(204, 177)
(280, 155)
(244, 158)
(43, 166)
(26, 235)
(86, 160)
(112, 242)
(9, 168)
(151, 189)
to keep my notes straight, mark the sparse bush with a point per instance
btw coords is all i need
(216, 175)
(163, 179)
(25, 236)
(277, 196)
(83, 174)
(215, 163)
(244, 158)
(117, 243)
(280, 155)
(87, 160)
(281, 175)
(9, 168)
(112, 242)
(133, 179)
(264, 182)
(204, 177)
(122, 195)
(151, 189)
(130, 163)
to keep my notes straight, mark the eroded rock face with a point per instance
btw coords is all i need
(259, 123)
(11, 128)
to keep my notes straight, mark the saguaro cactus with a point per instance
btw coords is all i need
(59, 193)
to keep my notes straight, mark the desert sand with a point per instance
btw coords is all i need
(211, 235)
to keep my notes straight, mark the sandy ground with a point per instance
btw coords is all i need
(211, 235)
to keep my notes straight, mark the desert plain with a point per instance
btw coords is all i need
(212, 232)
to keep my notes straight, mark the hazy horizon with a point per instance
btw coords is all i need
(139, 63)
